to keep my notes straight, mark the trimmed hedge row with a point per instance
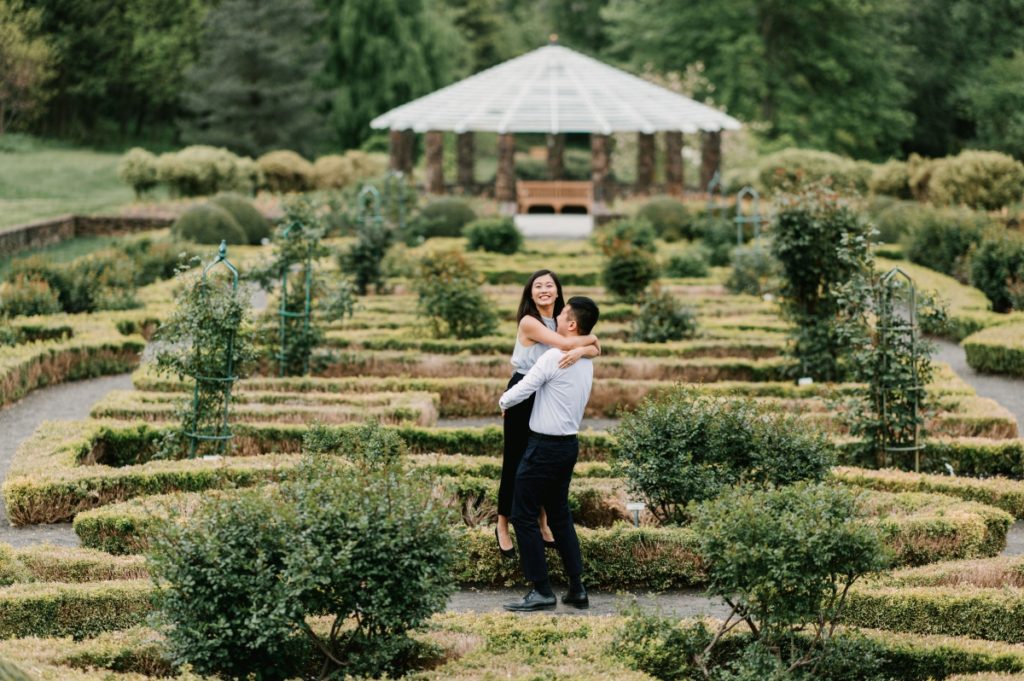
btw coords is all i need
(997, 350)
(76, 610)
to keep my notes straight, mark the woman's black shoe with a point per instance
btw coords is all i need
(507, 553)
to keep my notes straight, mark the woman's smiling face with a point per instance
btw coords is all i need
(544, 291)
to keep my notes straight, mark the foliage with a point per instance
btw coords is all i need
(497, 235)
(364, 259)
(784, 561)
(661, 318)
(24, 295)
(253, 87)
(451, 299)
(27, 61)
(370, 446)
(626, 235)
(788, 169)
(248, 217)
(940, 239)
(285, 171)
(692, 262)
(831, 76)
(822, 243)
(138, 168)
(891, 178)
(997, 350)
(340, 171)
(718, 235)
(669, 218)
(103, 280)
(208, 223)
(754, 270)
(239, 581)
(997, 269)
(985, 180)
(203, 170)
(206, 338)
(630, 265)
(442, 217)
(685, 446)
(993, 99)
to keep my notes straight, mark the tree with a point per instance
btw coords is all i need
(826, 75)
(253, 88)
(994, 100)
(385, 53)
(26, 63)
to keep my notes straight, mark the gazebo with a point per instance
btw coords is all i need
(555, 90)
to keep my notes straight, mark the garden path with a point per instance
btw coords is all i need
(1008, 392)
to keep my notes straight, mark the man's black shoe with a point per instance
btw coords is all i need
(577, 599)
(533, 601)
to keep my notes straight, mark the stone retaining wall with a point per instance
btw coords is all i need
(54, 230)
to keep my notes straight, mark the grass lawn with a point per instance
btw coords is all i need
(39, 180)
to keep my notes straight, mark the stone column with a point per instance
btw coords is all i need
(644, 163)
(465, 157)
(599, 168)
(710, 157)
(556, 156)
(674, 163)
(435, 157)
(505, 182)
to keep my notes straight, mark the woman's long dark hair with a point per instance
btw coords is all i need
(528, 307)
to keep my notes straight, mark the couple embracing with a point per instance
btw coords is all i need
(543, 407)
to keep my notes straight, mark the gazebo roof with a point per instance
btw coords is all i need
(555, 90)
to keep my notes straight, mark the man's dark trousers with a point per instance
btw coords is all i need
(542, 480)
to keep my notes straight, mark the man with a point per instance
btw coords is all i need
(544, 474)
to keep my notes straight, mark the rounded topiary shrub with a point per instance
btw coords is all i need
(669, 218)
(718, 236)
(208, 223)
(497, 235)
(662, 318)
(790, 168)
(248, 217)
(443, 217)
(684, 446)
(997, 267)
(286, 171)
(332, 172)
(986, 180)
(754, 271)
(941, 238)
(891, 178)
(201, 170)
(24, 295)
(691, 263)
(138, 168)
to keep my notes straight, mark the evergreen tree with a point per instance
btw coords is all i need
(385, 53)
(579, 23)
(253, 88)
(26, 63)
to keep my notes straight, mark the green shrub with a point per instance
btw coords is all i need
(986, 180)
(900, 218)
(139, 169)
(104, 280)
(754, 271)
(692, 262)
(156, 260)
(626, 235)
(252, 222)
(891, 178)
(337, 172)
(685, 446)
(285, 171)
(661, 318)
(497, 235)
(997, 350)
(788, 169)
(23, 295)
(11, 569)
(442, 217)
(450, 297)
(719, 237)
(208, 224)
(669, 218)
(940, 239)
(364, 260)
(202, 171)
(627, 274)
(997, 268)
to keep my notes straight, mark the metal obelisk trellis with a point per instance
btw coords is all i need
(901, 435)
(754, 218)
(294, 229)
(715, 188)
(222, 432)
(367, 194)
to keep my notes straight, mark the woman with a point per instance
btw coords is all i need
(541, 302)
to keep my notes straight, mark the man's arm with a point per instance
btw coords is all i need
(539, 375)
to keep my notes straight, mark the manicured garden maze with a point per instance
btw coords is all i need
(380, 364)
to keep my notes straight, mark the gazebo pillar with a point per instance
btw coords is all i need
(674, 163)
(400, 145)
(465, 157)
(435, 158)
(599, 167)
(505, 182)
(644, 163)
(710, 157)
(556, 156)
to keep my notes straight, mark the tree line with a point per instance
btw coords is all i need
(868, 78)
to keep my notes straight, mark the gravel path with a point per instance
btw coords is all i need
(690, 603)
(68, 401)
(1008, 392)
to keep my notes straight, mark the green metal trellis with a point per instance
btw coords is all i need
(369, 194)
(294, 229)
(755, 216)
(221, 432)
(892, 329)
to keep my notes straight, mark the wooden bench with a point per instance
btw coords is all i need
(556, 195)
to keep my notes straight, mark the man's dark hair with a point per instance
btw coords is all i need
(585, 312)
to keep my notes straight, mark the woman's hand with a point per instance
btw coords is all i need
(571, 357)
